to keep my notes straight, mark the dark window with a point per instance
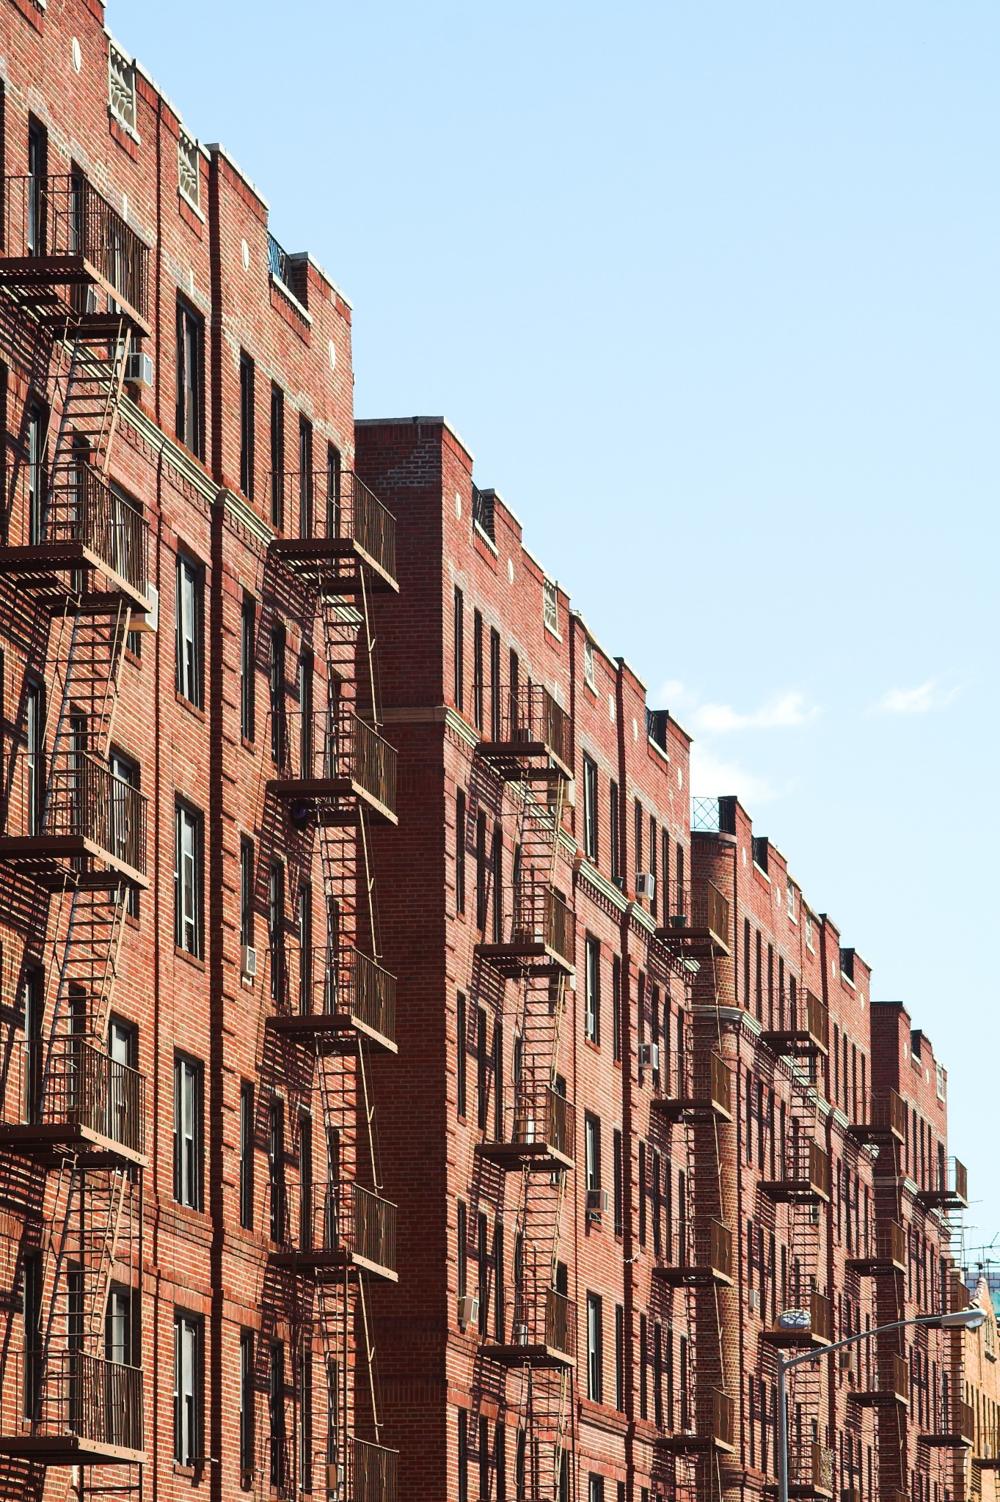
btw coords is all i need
(616, 1009)
(619, 1358)
(248, 686)
(276, 1166)
(247, 425)
(188, 879)
(461, 1057)
(480, 870)
(617, 1167)
(246, 889)
(276, 684)
(463, 1456)
(125, 773)
(246, 1403)
(190, 384)
(462, 1264)
(34, 751)
(592, 1151)
(459, 634)
(277, 457)
(494, 684)
(333, 472)
(482, 1068)
(246, 1155)
(305, 476)
(477, 670)
(460, 850)
(188, 1119)
(595, 1348)
(31, 1317)
(276, 1414)
(36, 204)
(614, 808)
(496, 876)
(190, 628)
(592, 996)
(590, 814)
(188, 1367)
(37, 471)
(638, 822)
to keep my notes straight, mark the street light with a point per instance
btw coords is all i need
(799, 1319)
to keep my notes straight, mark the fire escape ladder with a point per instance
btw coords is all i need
(805, 1220)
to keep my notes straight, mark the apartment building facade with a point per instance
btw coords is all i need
(530, 1233)
(192, 764)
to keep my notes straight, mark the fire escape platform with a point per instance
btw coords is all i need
(338, 565)
(47, 860)
(340, 1033)
(692, 1275)
(518, 960)
(38, 568)
(687, 1443)
(329, 1264)
(34, 279)
(540, 1356)
(794, 1339)
(524, 761)
(49, 1143)
(786, 1041)
(699, 942)
(68, 1450)
(690, 1108)
(338, 799)
(795, 1192)
(537, 1157)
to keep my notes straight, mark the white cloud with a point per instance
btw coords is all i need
(919, 700)
(670, 692)
(716, 776)
(786, 711)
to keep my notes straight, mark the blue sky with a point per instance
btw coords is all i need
(711, 291)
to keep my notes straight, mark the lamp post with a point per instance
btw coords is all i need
(798, 1319)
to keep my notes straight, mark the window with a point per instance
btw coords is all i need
(616, 1009)
(305, 476)
(188, 1335)
(248, 687)
(31, 1318)
(188, 169)
(463, 1457)
(590, 808)
(190, 386)
(246, 1402)
(461, 1057)
(190, 614)
(188, 1080)
(495, 706)
(617, 1169)
(459, 632)
(333, 471)
(37, 466)
(121, 90)
(588, 664)
(277, 457)
(119, 1326)
(248, 425)
(37, 171)
(619, 1358)
(246, 890)
(614, 826)
(595, 1353)
(637, 822)
(34, 727)
(276, 684)
(246, 1155)
(592, 1151)
(480, 870)
(482, 1067)
(550, 606)
(188, 883)
(124, 835)
(592, 995)
(462, 1260)
(595, 1489)
(276, 1414)
(460, 850)
(477, 669)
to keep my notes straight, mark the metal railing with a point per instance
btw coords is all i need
(886, 1112)
(86, 799)
(693, 1075)
(540, 916)
(60, 216)
(483, 511)
(336, 504)
(333, 746)
(723, 1419)
(713, 815)
(543, 1317)
(531, 716)
(82, 1088)
(350, 1218)
(331, 981)
(81, 508)
(816, 1168)
(811, 1465)
(805, 1015)
(883, 1242)
(541, 1115)
(949, 1415)
(698, 905)
(701, 1243)
(51, 1394)
(365, 1472)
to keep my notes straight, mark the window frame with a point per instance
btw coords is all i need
(190, 402)
(189, 922)
(189, 1141)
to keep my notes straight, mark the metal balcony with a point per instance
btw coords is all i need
(539, 1131)
(541, 933)
(883, 1250)
(697, 920)
(817, 1332)
(350, 537)
(883, 1378)
(803, 1029)
(83, 524)
(697, 1255)
(362, 1472)
(61, 240)
(884, 1120)
(332, 999)
(950, 1190)
(806, 1179)
(82, 812)
(334, 762)
(714, 1429)
(538, 1330)
(77, 1098)
(696, 1087)
(341, 1228)
(810, 1470)
(63, 1408)
(952, 1424)
(986, 1452)
(532, 739)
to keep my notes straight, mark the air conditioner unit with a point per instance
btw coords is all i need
(597, 1204)
(520, 1335)
(649, 1056)
(147, 620)
(468, 1310)
(645, 885)
(139, 370)
(753, 1300)
(248, 961)
(335, 1478)
(569, 793)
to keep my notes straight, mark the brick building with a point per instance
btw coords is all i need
(635, 1100)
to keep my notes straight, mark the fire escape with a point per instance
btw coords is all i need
(74, 294)
(332, 1006)
(800, 1180)
(532, 946)
(694, 1259)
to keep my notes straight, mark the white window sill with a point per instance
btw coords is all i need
(129, 130)
(190, 204)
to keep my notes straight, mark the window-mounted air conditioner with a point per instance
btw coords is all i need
(649, 1056)
(645, 885)
(248, 961)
